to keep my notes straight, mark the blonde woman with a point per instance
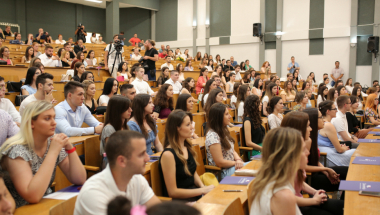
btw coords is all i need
(288, 94)
(31, 157)
(65, 58)
(89, 93)
(282, 155)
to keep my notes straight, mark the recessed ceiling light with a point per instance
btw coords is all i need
(96, 1)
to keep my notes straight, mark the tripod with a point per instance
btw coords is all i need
(118, 54)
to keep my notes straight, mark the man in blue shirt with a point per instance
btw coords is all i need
(71, 113)
(293, 65)
(41, 35)
(233, 62)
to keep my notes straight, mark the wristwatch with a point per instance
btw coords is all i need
(352, 136)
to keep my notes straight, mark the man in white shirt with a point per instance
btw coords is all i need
(44, 84)
(110, 55)
(47, 59)
(336, 73)
(7, 105)
(237, 72)
(174, 76)
(168, 64)
(126, 153)
(141, 85)
(340, 121)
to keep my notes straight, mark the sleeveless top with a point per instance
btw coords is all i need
(262, 206)
(92, 108)
(183, 181)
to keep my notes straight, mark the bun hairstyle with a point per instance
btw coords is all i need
(324, 106)
(272, 103)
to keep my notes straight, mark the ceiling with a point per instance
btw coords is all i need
(93, 4)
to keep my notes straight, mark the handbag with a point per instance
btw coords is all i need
(14, 86)
(19, 99)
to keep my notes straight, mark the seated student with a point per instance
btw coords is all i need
(341, 90)
(353, 122)
(44, 92)
(90, 58)
(141, 85)
(230, 84)
(273, 193)
(118, 112)
(65, 59)
(29, 55)
(188, 86)
(29, 86)
(340, 121)
(143, 122)
(349, 86)
(163, 103)
(87, 76)
(40, 66)
(4, 55)
(371, 115)
(244, 91)
(358, 93)
(253, 131)
(127, 90)
(32, 155)
(177, 165)
(309, 95)
(302, 99)
(202, 79)
(271, 91)
(338, 83)
(173, 81)
(275, 109)
(246, 78)
(8, 128)
(110, 89)
(122, 206)
(122, 70)
(332, 95)
(180, 70)
(123, 176)
(71, 113)
(288, 94)
(219, 143)
(79, 69)
(322, 94)
(258, 87)
(234, 95)
(7, 105)
(7, 203)
(185, 102)
(188, 66)
(337, 154)
(89, 93)
(163, 77)
(210, 85)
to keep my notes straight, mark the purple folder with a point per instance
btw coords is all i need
(238, 125)
(154, 158)
(256, 157)
(369, 141)
(371, 186)
(236, 180)
(367, 160)
(374, 132)
(71, 189)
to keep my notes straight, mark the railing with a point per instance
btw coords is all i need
(10, 24)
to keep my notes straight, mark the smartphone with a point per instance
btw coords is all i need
(367, 193)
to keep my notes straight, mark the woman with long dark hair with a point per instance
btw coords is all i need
(29, 86)
(275, 109)
(122, 70)
(91, 59)
(235, 94)
(353, 123)
(143, 122)
(185, 102)
(87, 76)
(180, 70)
(80, 57)
(210, 85)
(110, 89)
(358, 93)
(219, 143)
(79, 69)
(271, 90)
(202, 79)
(163, 103)
(322, 94)
(177, 163)
(243, 93)
(302, 99)
(215, 96)
(198, 57)
(29, 55)
(258, 87)
(188, 66)
(188, 86)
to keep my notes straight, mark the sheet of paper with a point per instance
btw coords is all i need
(61, 195)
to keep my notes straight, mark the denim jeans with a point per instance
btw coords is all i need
(230, 171)
(332, 83)
(151, 78)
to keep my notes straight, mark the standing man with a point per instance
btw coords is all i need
(293, 65)
(336, 73)
(151, 56)
(47, 59)
(110, 55)
(81, 33)
(134, 40)
(233, 62)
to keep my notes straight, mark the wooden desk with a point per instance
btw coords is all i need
(41, 208)
(354, 203)
(210, 209)
(367, 150)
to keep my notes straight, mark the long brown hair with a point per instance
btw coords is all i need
(138, 106)
(242, 94)
(251, 109)
(185, 84)
(171, 139)
(282, 148)
(268, 90)
(215, 122)
(162, 99)
(27, 53)
(330, 94)
(211, 99)
(117, 105)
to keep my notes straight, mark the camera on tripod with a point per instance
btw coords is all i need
(118, 46)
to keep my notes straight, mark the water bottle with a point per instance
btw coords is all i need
(130, 56)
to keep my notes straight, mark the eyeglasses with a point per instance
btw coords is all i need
(334, 109)
(321, 117)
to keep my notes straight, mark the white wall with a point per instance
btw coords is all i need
(335, 49)
(241, 52)
(270, 56)
(337, 24)
(295, 19)
(364, 75)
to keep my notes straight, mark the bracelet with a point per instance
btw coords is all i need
(71, 150)
(239, 159)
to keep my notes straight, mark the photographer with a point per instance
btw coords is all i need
(150, 58)
(293, 65)
(81, 33)
(110, 55)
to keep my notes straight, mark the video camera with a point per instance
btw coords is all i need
(80, 26)
(118, 46)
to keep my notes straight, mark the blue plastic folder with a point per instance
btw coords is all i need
(236, 180)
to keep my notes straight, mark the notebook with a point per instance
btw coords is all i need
(371, 186)
(367, 160)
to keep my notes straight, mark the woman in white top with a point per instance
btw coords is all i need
(210, 65)
(270, 92)
(186, 55)
(282, 156)
(29, 55)
(327, 82)
(322, 94)
(136, 54)
(230, 84)
(275, 109)
(93, 38)
(180, 70)
(90, 59)
(217, 59)
(234, 96)
(219, 72)
(242, 94)
(110, 89)
(122, 70)
(358, 93)
(349, 86)
(60, 40)
(257, 87)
